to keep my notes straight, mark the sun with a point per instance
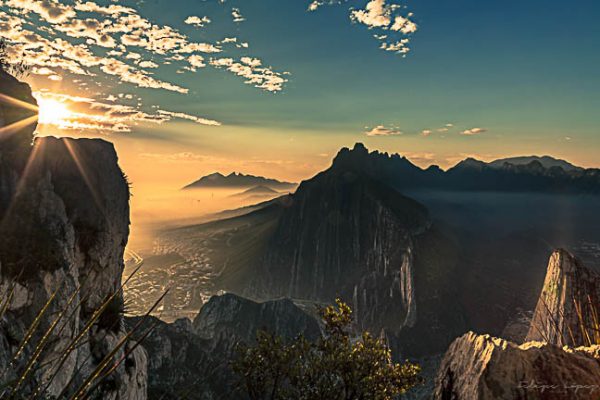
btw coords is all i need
(53, 112)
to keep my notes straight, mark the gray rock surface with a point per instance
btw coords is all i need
(481, 367)
(64, 212)
(569, 306)
(193, 360)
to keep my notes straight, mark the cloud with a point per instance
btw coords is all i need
(375, 15)
(393, 29)
(426, 132)
(473, 131)
(49, 10)
(251, 69)
(88, 114)
(199, 120)
(381, 130)
(237, 15)
(197, 21)
(74, 39)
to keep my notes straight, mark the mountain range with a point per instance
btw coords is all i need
(546, 161)
(537, 175)
(237, 180)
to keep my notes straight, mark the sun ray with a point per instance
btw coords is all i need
(84, 174)
(17, 103)
(17, 126)
(36, 149)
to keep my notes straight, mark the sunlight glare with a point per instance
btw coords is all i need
(52, 112)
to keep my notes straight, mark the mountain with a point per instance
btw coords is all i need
(471, 175)
(65, 225)
(237, 180)
(345, 233)
(257, 192)
(546, 161)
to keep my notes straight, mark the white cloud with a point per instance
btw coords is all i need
(198, 22)
(382, 130)
(237, 15)
(473, 131)
(393, 28)
(250, 68)
(199, 120)
(76, 36)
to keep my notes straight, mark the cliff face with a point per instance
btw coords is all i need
(347, 234)
(480, 367)
(568, 308)
(192, 361)
(230, 317)
(64, 216)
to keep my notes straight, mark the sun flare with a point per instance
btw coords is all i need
(53, 112)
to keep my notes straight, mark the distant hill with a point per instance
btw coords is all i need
(257, 191)
(238, 180)
(546, 161)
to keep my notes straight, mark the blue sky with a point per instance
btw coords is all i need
(482, 78)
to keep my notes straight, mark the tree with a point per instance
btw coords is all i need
(337, 366)
(17, 69)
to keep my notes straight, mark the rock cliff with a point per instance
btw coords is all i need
(64, 224)
(345, 233)
(192, 360)
(480, 367)
(568, 309)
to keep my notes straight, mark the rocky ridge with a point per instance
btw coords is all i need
(192, 360)
(568, 308)
(64, 215)
(482, 367)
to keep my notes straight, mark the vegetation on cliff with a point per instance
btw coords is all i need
(337, 366)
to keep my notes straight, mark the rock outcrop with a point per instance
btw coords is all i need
(64, 224)
(230, 317)
(568, 309)
(480, 367)
(192, 361)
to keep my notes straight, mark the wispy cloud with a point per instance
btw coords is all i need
(83, 113)
(382, 130)
(473, 131)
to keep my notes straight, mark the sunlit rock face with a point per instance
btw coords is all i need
(480, 367)
(568, 309)
(64, 224)
(347, 234)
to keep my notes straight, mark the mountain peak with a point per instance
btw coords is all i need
(237, 180)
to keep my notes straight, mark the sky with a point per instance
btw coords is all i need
(275, 87)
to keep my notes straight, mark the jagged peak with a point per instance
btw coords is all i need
(568, 303)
